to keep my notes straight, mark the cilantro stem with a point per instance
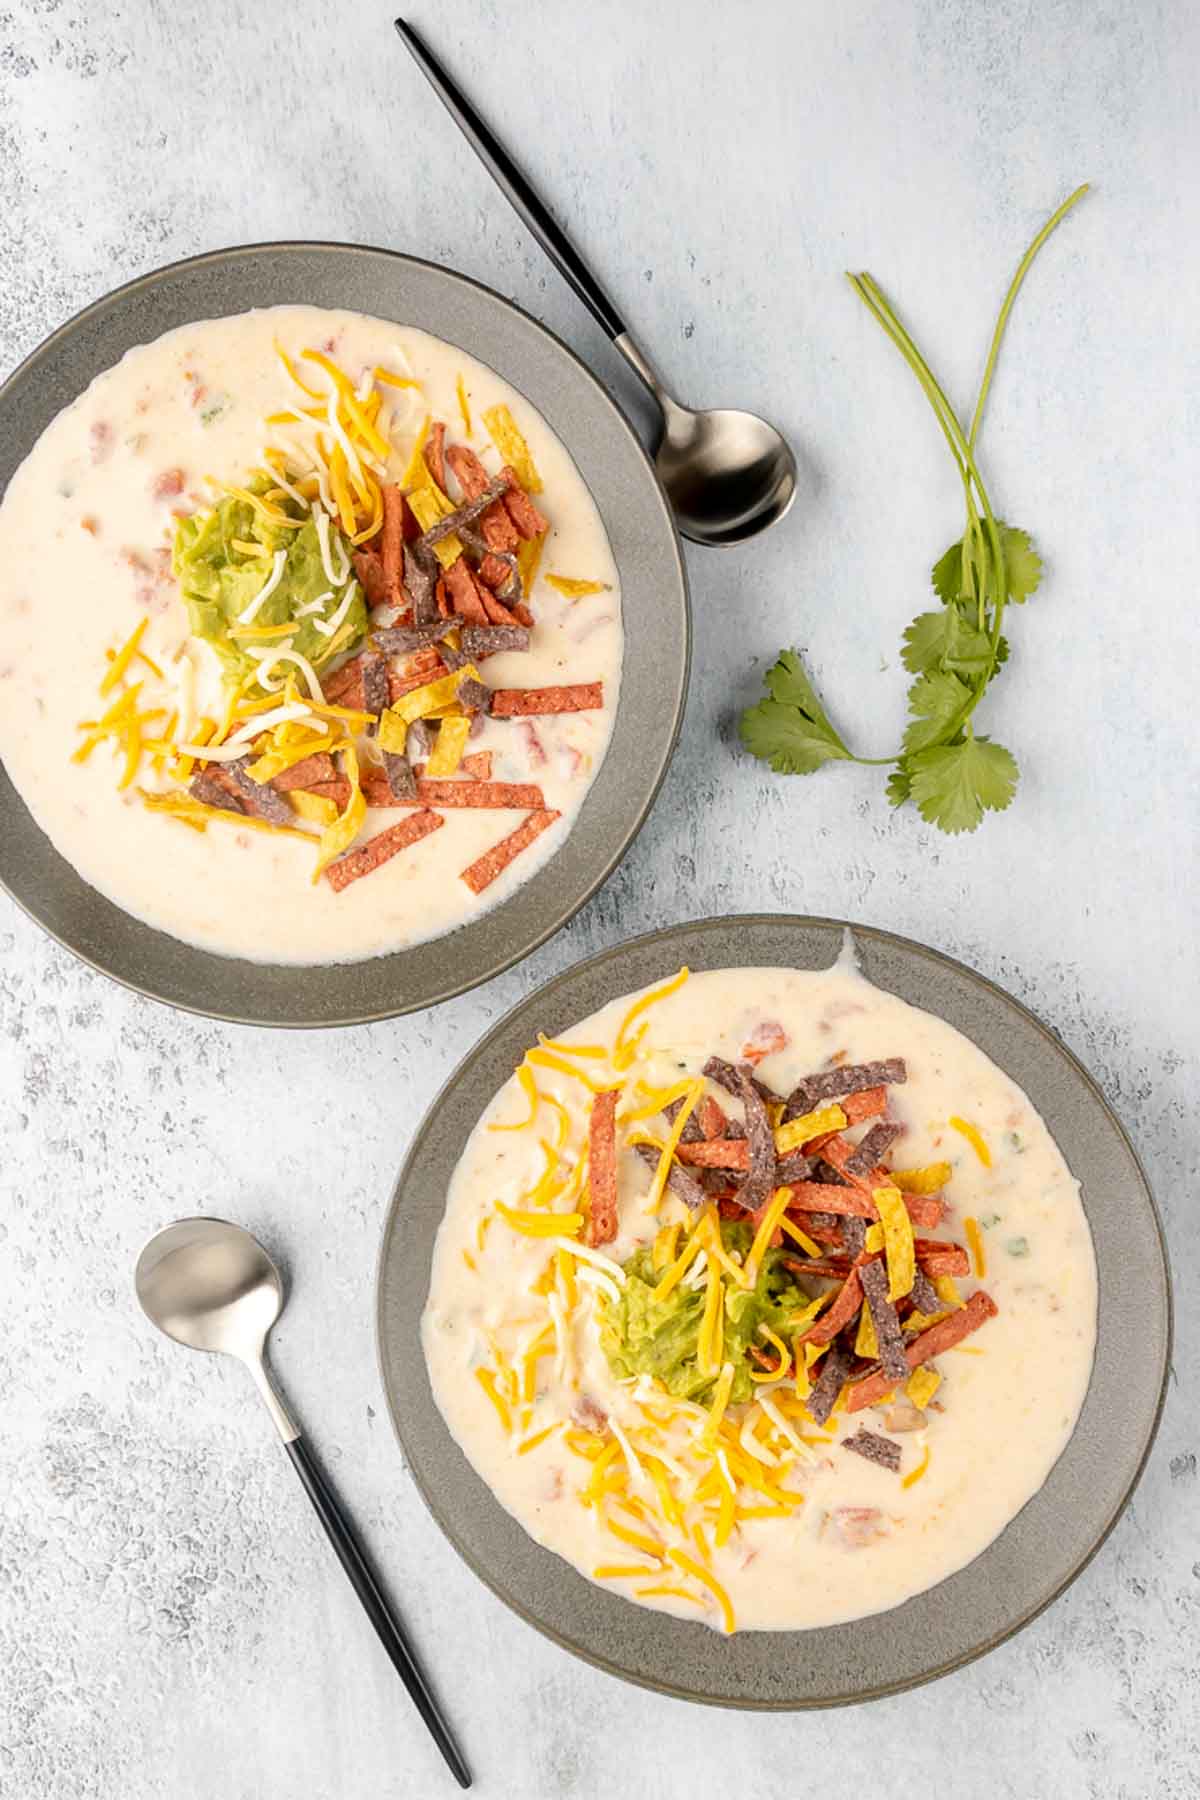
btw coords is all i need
(1023, 268)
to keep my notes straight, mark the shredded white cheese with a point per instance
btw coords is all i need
(329, 627)
(266, 590)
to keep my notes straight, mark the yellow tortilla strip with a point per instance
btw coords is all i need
(447, 753)
(814, 1124)
(928, 1180)
(502, 429)
(922, 1385)
(899, 1249)
(415, 473)
(428, 504)
(421, 703)
(572, 588)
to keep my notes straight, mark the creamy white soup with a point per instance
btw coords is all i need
(86, 534)
(605, 1419)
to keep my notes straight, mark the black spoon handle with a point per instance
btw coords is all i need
(341, 1536)
(512, 183)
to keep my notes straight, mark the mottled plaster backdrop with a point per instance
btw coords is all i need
(170, 1623)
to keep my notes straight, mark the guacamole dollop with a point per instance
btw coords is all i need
(644, 1336)
(223, 557)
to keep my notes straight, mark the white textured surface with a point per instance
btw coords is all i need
(170, 1622)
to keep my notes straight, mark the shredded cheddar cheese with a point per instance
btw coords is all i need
(978, 1254)
(974, 1137)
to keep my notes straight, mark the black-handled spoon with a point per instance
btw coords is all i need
(212, 1286)
(728, 475)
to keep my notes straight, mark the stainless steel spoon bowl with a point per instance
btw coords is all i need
(210, 1285)
(728, 475)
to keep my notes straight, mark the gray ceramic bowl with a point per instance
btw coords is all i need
(1044, 1547)
(654, 596)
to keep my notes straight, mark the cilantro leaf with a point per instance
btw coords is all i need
(1022, 564)
(947, 574)
(935, 702)
(899, 785)
(790, 730)
(938, 640)
(955, 784)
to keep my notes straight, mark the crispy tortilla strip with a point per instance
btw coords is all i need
(391, 545)
(851, 1078)
(940, 1337)
(368, 566)
(304, 773)
(430, 507)
(843, 1310)
(717, 1153)
(889, 1336)
(523, 703)
(876, 1449)
(479, 641)
(499, 532)
(936, 1258)
(476, 766)
(403, 640)
(398, 773)
(756, 1191)
(899, 1248)
(726, 1076)
(434, 452)
(337, 790)
(868, 1103)
(212, 788)
(678, 1179)
(828, 1385)
(260, 799)
(481, 873)
(874, 1147)
(820, 1196)
(420, 580)
(712, 1118)
(571, 587)
(357, 863)
(690, 1132)
(376, 683)
(602, 1169)
(515, 795)
(447, 753)
(530, 523)
(502, 429)
(465, 593)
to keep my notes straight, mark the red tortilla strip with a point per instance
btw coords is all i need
(391, 544)
(844, 1308)
(443, 598)
(467, 599)
(937, 1258)
(434, 453)
(521, 703)
(499, 532)
(829, 1268)
(819, 1196)
(481, 873)
(712, 1117)
(360, 862)
(522, 614)
(344, 686)
(497, 612)
(520, 508)
(304, 773)
(452, 793)
(943, 1336)
(602, 1169)
(368, 566)
(763, 1041)
(868, 1103)
(493, 572)
(716, 1153)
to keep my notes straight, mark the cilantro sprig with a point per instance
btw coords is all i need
(951, 773)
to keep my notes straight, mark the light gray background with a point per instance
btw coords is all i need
(170, 1622)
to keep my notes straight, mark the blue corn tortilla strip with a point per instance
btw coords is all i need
(794, 1167)
(400, 778)
(874, 1147)
(725, 1074)
(453, 659)
(476, 696)
(678, 1178)
(261, 802)
(854, 1233)
(691, 1133)
(923, 1294)
(466, 514)
(834, 1369)
(759, 1184)
(209, 788)
(888, 1332)
(402, 640)
(479, 641)
(835, 1084)
(374, 667)
(876, 1449)
(421, 569)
